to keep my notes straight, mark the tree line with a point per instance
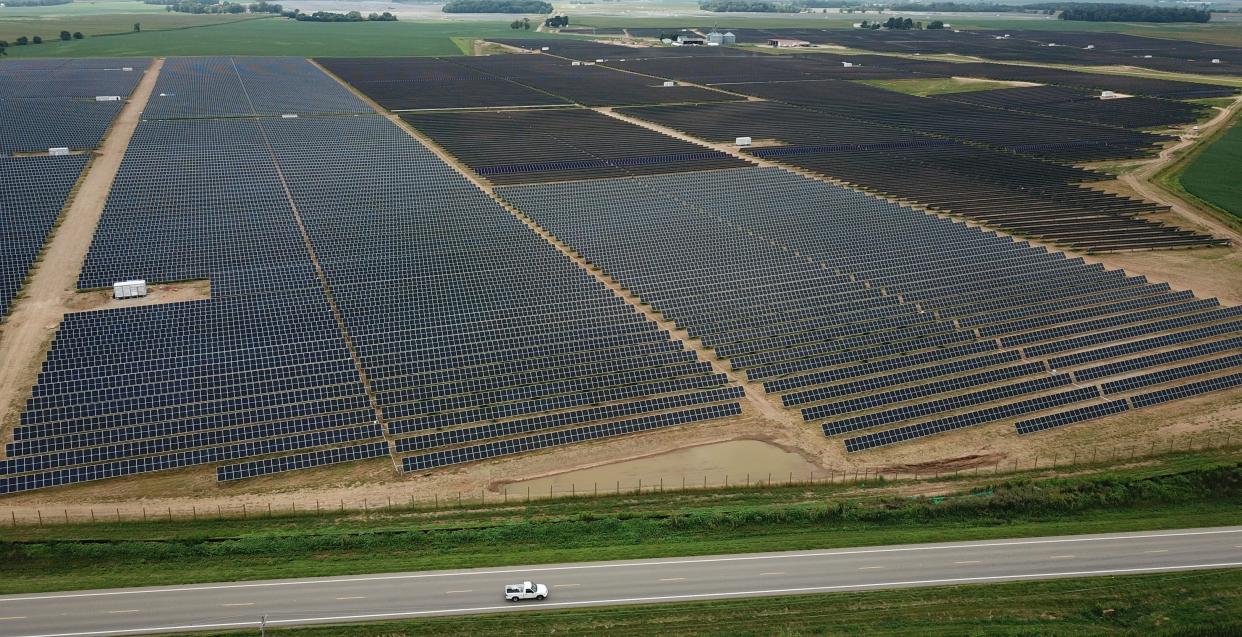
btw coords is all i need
(214, 6)
(748, 6)
(33, 3)
(497, 6)
(1090, 12)
(329, 16)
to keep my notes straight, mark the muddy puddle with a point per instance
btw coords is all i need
(733, 462)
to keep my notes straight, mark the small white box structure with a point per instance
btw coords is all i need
(670, 83)
(129, 289)
(743, 141)
(1146, 57)
(1109, 95)
(127, 68)
(575, 63)
(598, 60)
(107, 98)
(1215, 60)
(847, 64)
(58, 152)
(588, 64)
(1090, 46)
(288, 115)
(545, 48)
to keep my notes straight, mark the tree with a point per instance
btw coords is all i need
(37, 40)
(77, 35)
(526, 23)
(65, 35)
(936, 24)
(23, 41)
(137, 27)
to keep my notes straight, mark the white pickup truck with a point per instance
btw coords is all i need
(525, 590)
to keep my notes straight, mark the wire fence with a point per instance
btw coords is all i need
(1068, 461)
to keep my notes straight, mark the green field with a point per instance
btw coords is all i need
(265, 36)
(1197, 604)
(936, 85)
(1185, 490)
(1213, 173)
(110, 24)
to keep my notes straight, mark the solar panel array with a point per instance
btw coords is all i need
(1051, 47)
(1023, 195)
(1083, 105)
(505, 80)
(876, 319)
(33, 190)
(238, 86)
(457, 316)
(51, 103)
(48, 104)
(561, 144)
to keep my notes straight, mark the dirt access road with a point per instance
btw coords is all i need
(52, 291)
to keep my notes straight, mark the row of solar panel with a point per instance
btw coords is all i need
(324, 457)
(567, 436)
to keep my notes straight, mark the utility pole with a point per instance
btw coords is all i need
(263, 626)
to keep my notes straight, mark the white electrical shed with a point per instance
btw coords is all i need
(129, 289)
(743, 141)
(670, 83)
(107, 98)
(58, 152)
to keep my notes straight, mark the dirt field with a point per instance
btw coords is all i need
(1210, 272)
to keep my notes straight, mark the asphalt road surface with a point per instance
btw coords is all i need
(409, 595)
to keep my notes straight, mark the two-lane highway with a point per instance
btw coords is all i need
(420, 594)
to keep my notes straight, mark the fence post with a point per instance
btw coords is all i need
(193, 513)
(118, 514)
(170, 514)
(39, 512)
(269, 509)
(14, 515)
(66, 516)
(144, 512)
(748, 478)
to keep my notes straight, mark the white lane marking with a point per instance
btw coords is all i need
(1061, 557)
(130, 610)
(673, 579)
(869, 568)
(638, 564)
(355, 597)
(14, 617)
(1160, 551)
(240, 604)
(468, 590)
(564, 585)
(970, 562)
(630, 600)
(774, 573)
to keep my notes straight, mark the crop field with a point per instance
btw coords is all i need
(604, 268)
(94, 25)
(1212, 174)
(271, 36)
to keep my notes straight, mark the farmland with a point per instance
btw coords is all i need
(1211, 174)
(186, 34)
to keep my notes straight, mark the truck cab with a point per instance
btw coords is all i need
(525, 590)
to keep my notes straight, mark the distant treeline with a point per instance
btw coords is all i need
(212, 6)
(497, 6)
(329, 16)
(33, 3)
(959, 7)
(739, 6)
(1089, 12)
